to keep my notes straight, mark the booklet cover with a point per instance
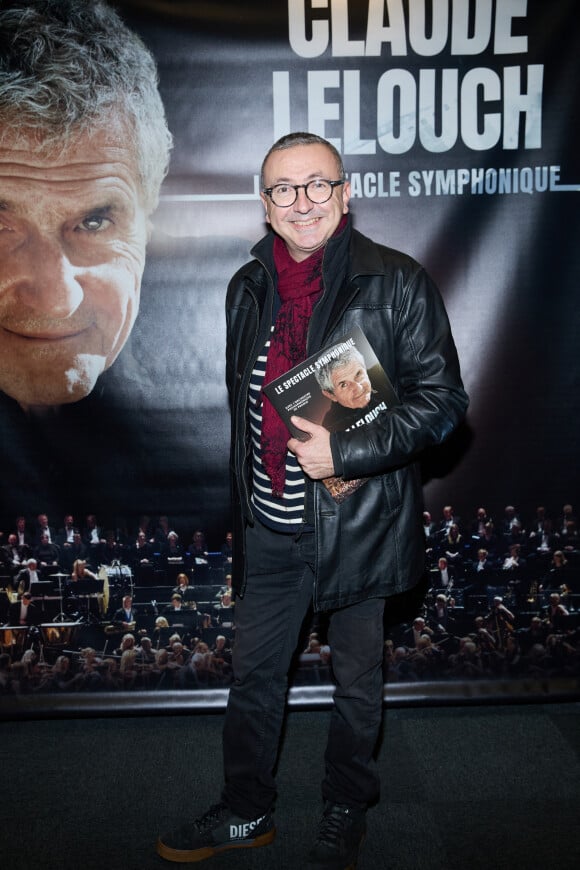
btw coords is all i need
(341, 387)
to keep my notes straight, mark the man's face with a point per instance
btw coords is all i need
(351, 387)
(72, 250)
(304, 226)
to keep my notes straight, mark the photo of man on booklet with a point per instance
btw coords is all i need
(341, 387)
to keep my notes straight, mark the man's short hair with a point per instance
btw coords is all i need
(293, 139)
(323, 375)
(67, 66)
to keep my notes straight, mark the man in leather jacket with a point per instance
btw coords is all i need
(313, 279)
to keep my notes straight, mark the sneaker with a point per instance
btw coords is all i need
(340, 835)
(216, 831)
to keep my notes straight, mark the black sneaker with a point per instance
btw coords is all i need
(216, 831)
(340, 835)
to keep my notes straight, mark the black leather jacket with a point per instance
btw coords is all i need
(371, 544)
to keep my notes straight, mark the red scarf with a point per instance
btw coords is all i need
(299, 286)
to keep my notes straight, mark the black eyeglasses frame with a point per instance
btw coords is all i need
(267, 191)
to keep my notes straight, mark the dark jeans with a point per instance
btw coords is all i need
(268, 622)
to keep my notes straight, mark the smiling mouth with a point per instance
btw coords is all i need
(306, 224)
(44, 336)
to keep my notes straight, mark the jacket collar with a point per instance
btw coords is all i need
(363, 256)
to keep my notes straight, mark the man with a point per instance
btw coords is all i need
(14, 553)
(47, 554)
(345, 381)
(443, 576)
(125, 617)
(418, 629)
(176, 613)
(43, 530)
(80, 175)
(449, 519)
(23, 612)
(94, 539)
(314, 278)
(441, 615)
(25, 539)
(65, 537)
(27, 576)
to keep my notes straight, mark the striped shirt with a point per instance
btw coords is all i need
(283, 514)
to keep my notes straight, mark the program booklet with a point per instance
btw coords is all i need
(341, 387)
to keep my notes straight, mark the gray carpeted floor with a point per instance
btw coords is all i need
(487, 787)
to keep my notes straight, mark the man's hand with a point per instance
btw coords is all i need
(313, 455)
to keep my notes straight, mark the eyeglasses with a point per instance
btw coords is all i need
(318, 190)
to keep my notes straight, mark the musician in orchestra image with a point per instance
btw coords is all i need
(127, 643)
(499, 622)
(145, 652)
(72, 551)
(80, 571)
(183, 589)
(555, 614)
(171, 550)
(47, 555)
(441, 615)
(59, 677)
(177, 613)
(13, 555)
(412, 636)
(125, 617)
(24, 612)
(443, 576)
(27, 576)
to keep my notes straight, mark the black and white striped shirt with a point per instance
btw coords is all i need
(283, 514)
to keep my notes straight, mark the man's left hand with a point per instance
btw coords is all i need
(313, 455)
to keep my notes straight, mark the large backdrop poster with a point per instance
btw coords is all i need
(458, 125)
